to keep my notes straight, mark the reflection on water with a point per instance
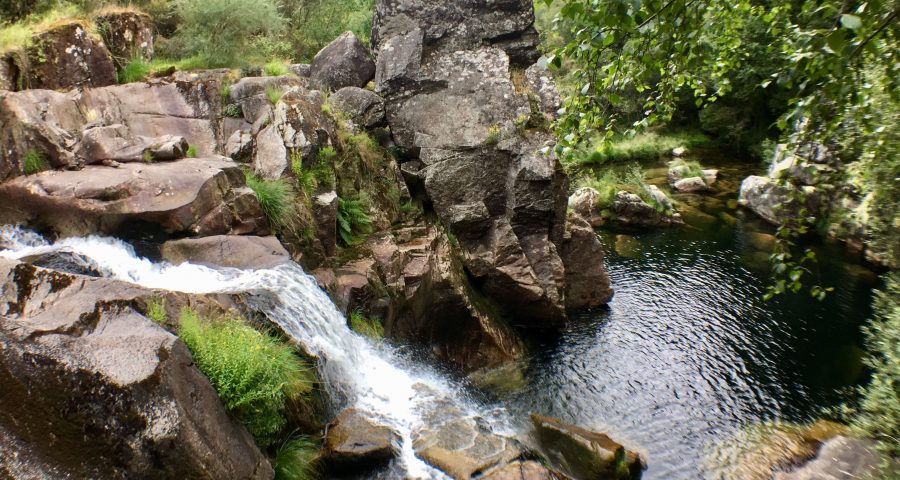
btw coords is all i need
(688, 353)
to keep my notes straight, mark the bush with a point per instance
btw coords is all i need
(352, 218)
(33, 162)
(276, 198)
(879, 415)
(222, 31)
(296, 460)
(371, 328)
(644, 146)
(253, 374)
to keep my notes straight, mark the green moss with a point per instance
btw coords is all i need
(33, 162)
(296, 459)
(253, 373)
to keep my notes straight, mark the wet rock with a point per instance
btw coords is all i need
(127, 34)
(63, 57)
(226, 251)
(523, 470)
(463, 447)
(93, 389)
(325, 208)
(195, 196)
(583, 453)
(355, 442)
(62, 261)
(691, 185)
(761, 241)
(587, 283)
(117, 143)
(364, 108)
(345, 62)
(843, 458)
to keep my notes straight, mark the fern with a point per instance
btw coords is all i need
(352, 218)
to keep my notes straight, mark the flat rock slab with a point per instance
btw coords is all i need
(583, 453)
(227, 251)
(193, 196)
(354, 441)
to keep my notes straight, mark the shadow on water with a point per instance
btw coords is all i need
(688, 353)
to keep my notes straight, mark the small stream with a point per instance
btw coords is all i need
(688, 354)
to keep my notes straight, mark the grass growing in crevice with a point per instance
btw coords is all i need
(276, 68)
(644, 146)
(274, 94)
(296, 459)
(353, 219)
(135, 70)
(156, 311)
(370, 327)
(276, 199)
(253, 373)
(191, 151)
(628, 177)
(33, 162)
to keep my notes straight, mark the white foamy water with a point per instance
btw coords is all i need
(356, 371)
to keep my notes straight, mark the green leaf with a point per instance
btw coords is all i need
(850, 21)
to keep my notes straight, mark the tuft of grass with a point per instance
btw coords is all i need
(370, 327)
(135, 70)
(687, 168)
(274, 94)
(275, 68)
(327, 154)
(629, 178)
(156, 311)
(159, 65)
(254, 374)
(33, 162)
(233, 110)
(407, 207)
(276, 199)
(353, 219)
(644, 146)
(296, 459)
(493, 135)
(191, 151)
(326, 108)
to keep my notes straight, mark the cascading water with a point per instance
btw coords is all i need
(356, 372)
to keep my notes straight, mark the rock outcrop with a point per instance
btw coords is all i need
(345, 62)
(364, 108)
(486, 165)
(189, 197)
(127, 34)
(64, 56)
(93, 389)
(585, 454)
(355, 442)
(226, 251)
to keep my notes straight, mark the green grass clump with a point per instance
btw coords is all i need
(274, 94)
(370, 327)
(33, 162)
(253, 373)
(233, 111)
(614, 179)
(191, 151)
(493, 135)
(327, 154)
(19, 35)
(156, 311)
(276, 198)
(353, 219)
(879, 411)
(687, 168)
(296, 460)
(644, 146)
(275, 68)
(159, 65)
(135, 71)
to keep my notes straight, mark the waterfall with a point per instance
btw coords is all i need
(357, 372)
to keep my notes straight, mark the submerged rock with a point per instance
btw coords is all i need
(93, 389)
(464, 447)
(345, 62)
(583, 453)
(226, 251)
(355, 442)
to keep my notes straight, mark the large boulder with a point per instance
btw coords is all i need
(585, 454)
(345, 62)
(353, 441)
(93, 389)
(226, 251)
(443, 69)
(117, 143)
(631, 210)
(587, 283)
(127, 34)
(196, 196)
(64, 56)
(364, 108)
(250, 93)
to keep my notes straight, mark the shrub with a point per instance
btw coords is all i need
(33, 162)
(315, 23)
(191, 151)
(253, 373)
(221, 31)
(296, 460)
(371, 328)
(627, 177)
(276, 199)
(352, 218)
(156, 311)
(274, 94)
(493, 135)
(644, 146)
(879, 415)
(275, 68)
(233, 110)
(134, 71)
(327, 154)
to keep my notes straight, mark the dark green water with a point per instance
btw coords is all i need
(688, 353)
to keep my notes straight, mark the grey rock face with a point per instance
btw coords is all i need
(117, 143)
(226, 251)
(345, 62)
(364, 108)
(250, 94)
(93, 389)
(452, 105)
(587, 283)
